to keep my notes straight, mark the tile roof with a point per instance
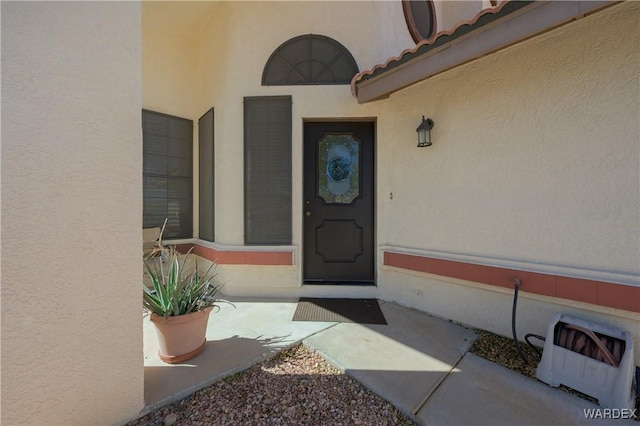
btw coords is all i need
(463, 27)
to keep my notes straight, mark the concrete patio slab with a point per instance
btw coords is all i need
(479, 392)
(419, 363)
(404, 361)
(238, 337)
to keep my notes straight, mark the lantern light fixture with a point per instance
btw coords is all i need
(424, 132)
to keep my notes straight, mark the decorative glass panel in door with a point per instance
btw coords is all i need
(338, 168)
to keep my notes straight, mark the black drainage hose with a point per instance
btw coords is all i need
(541, 338)
(516, 284)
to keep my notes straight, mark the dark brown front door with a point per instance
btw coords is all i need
(338, 203)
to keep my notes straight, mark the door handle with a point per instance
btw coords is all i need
(307, 214)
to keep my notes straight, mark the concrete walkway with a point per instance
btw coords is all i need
(419, 363)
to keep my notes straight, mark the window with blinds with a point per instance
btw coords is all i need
(267, 170)
(167, 173)
(206, 177)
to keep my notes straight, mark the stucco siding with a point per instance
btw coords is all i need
(253, 31)
(535, 153)
(231, 51)
(534, 165)
(450, 12)
(168, 64)
(71, 213)
(535, 162)
(490, 308)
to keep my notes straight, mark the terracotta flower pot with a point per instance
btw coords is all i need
(183, 337)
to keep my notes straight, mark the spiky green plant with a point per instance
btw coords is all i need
(178, 289)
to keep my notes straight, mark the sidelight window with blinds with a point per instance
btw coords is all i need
(167, 173)
(267, 170)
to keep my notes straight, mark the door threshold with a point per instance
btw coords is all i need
(362, 283)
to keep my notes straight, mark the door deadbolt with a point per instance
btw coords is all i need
(307, 213)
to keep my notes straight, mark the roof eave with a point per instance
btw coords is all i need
(513, 28)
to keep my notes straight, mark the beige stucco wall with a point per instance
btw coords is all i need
(231, 50)
(168, 64)
(71, 213)
(253, 31)
(535, 165)
(535, 153)
(490, 308)
(450, 12)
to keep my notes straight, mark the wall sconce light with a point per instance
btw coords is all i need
(424, 132)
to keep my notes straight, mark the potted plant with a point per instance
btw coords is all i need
(179, 302)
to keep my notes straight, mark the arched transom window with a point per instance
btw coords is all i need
(307, 60)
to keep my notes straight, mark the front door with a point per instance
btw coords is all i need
(338, 203)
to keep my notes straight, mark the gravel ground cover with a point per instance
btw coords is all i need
(502, 350)
(297, 387)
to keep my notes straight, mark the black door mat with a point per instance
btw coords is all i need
(360, 311)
